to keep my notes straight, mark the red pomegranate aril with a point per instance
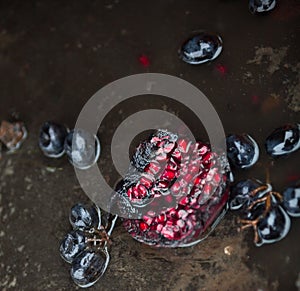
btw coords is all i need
(160, 218)
(153, 227)
(168, 174)
(161, 143)
(147, 219)
(175, 187)
(182, 214)
(142, 190)
(193, 201)
(217, 178)
(207, 157)
(182, 144)
(180, 223)
(207, 189)
(143, 226)
(153, 167)
(146, 182)
(176, 154)
(155, 139)
(184, 201)
(194, 169)
(159, 227)
(188, 178)
(163, 184)
(129, 192)
(203, 150)
(203, 175)
(172, 166)
(172, 212)
(167, 232)
(197, 181)
(135, 192)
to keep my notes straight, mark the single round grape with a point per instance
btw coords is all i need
(283, 140)
(258, 6)
(52, 138)
(83, 217)
(242, 150)
(201, 48)
(274, 226)
(82, 148)
(89, 266)
(72, 244)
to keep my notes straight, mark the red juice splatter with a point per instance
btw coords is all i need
(221, 69)
(254, 99)
(144, 61)
(293, 178)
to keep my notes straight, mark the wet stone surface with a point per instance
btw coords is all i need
(54, 56)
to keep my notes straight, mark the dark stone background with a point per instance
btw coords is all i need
(54, 55)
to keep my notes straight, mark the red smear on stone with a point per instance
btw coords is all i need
(293, 178)
(254, 99)
(221, 69)
(144, 61)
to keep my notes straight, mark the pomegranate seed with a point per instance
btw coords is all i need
(207, 188)
(172, 166)
(197, 181)
(153, 168)
(176, 154)
(180, 223)
(129, 192)
(167, 232)
(143, 226)
(175, 187)
(161, 218)
(146, 181)
(159, 227)
(167, 174)
(184, 201)
(147, 219)
(182, 214)
(188, 178)
(182, 144)
(163, 184)
(207, 157)
(142, 190)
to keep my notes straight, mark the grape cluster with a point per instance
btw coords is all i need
(85, 247)
(265, 210)
(260, 207)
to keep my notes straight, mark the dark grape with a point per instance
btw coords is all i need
(72, 245)
(88, 267)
